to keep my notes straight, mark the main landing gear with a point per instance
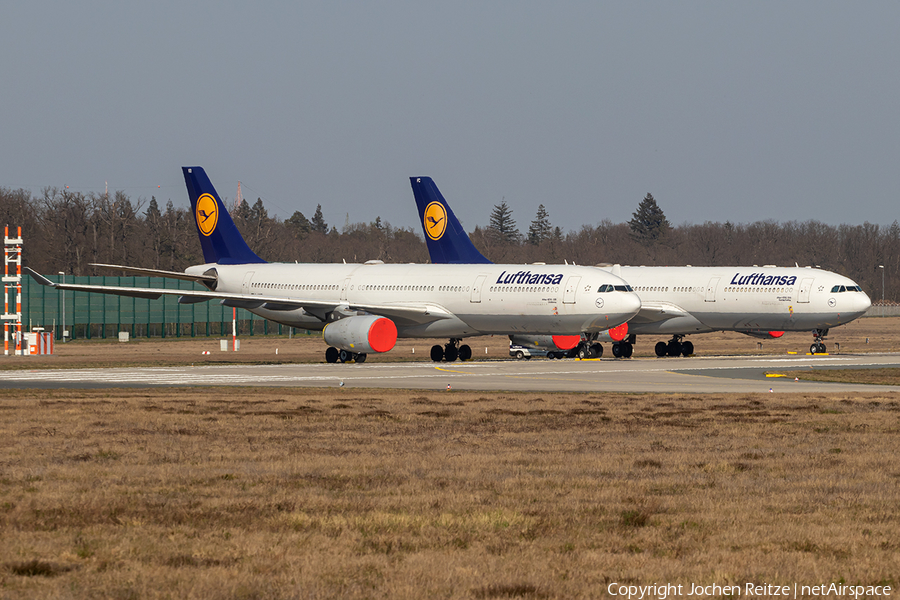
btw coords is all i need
(623, 349)
(587, 349)
(451, 351)
(333, 355)
(818, 346)
(675, 347)
(590, 348)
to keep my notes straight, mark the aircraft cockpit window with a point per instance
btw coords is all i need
(835, 289)
(623, 288)
(606, 287)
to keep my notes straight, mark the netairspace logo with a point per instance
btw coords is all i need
(661, 591)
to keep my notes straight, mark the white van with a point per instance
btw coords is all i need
(524, 352)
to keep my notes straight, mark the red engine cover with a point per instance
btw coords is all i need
(382, 335)
(566, 342)
(617, 334)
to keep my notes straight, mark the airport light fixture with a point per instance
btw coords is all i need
(63, 280)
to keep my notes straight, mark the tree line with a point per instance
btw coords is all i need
(66, 231)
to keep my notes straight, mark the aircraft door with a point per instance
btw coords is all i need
(476, 288)
(805, 287)
(711, 289)
(571, 288)
(248, 278)
(344, 287)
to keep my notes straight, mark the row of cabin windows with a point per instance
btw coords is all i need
(396, 288)
(294, 286)
(320, 287)
(780, 290)
(518, 288)
(650, 288)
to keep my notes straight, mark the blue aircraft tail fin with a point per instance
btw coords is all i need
(447, 241)
(219, 237)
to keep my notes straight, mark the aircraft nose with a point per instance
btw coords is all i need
(863, 303)
(632, 303)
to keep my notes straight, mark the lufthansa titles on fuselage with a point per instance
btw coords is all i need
(529, 278)
(763, 279)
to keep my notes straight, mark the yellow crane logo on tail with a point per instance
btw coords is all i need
(435, 220)
(207, 214)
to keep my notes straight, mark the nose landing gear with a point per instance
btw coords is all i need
(818, 346)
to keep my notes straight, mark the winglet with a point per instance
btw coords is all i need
(445, 237)
(38, 277)
(219, 237)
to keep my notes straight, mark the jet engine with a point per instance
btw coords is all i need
(616, 334)
(361, 334)
(764, 335)
(550, 342)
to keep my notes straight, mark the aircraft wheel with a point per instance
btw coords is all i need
(345, 356)
(437, 353)
(687, 348)
(814, 348)
(673, 348)
(331, 355)
(628, 349)
(465, 353)
(361, 357)
(596, 350)
(520, 355)
(661, 349)
(617, 350)
(583, 352)
(822, 348)
(451, 353)
(551, 355)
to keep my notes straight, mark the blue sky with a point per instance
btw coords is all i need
(723, 111)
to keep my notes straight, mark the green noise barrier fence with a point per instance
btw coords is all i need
(87, 315)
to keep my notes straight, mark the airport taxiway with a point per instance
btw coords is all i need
(694, 375)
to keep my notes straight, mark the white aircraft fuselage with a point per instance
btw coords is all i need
(431, 300)
(683, 300)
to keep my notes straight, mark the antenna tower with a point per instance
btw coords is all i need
(237, 199)
(12, 254)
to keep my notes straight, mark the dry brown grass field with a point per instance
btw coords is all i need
(862, 335)
(298, 493)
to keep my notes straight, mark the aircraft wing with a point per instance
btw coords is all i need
(404, 313)
(653, 312)
(158, 273)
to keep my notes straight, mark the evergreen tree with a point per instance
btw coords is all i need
(243, 212)
(318, 221)
(503, 226)
(648, 223)
(300, 224)
(557, 234)
(540, 229)
(153, 215)
(258, 213)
